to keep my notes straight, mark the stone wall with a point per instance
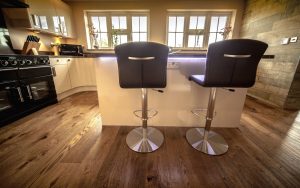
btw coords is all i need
(278, 79)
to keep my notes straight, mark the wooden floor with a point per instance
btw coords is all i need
(65, 146)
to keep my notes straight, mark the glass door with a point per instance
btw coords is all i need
(39, 90)
(10, 100)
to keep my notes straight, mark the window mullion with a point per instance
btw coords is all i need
(139, 28)
(206, 30)
(109, 30)
(175, 31)
(129, 27)
(186, 30)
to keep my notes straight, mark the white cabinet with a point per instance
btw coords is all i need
(82, 72)
(62, 78)
(73, 73)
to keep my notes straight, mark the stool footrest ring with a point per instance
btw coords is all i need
(154, 113)
(199, 112)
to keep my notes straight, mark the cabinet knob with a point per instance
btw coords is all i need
(69, 59)
(57, 60)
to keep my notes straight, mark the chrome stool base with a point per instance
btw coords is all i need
(144, 140)
(214, 144)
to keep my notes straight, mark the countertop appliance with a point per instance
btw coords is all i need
(71, 49)
(26, 85)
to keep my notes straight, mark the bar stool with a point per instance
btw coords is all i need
(143, 65)
(229, 64)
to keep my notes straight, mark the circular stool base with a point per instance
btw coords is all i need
(214, 145)
(152, 141)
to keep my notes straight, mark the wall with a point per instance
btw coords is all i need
(158, 13)
(270, 21)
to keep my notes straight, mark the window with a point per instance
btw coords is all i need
(109, 28)
(39, 21)
(196, 30)
(176, 28)
(60, 25)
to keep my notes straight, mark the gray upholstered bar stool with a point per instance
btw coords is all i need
(229, 64)
(143, 65)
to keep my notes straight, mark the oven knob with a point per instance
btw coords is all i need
(45, 61)
(4, 63)
(14, 62)
(22, 62)
(29, 62)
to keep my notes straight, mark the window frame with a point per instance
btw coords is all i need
(109, 14)
(187, 14)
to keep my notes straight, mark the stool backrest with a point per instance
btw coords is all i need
(142, 64)
(233, 63)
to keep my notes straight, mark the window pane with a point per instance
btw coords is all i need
(212, 38)
(201, 22)
(179, 39)
(171, 39)
(43, 20)
(199, 41)
(180, 24)
(123, 23)
(135, 37)
(123, 39)
(195, 41)
(56, 23)
(35, 20)
(191, 41)
(115, 22)
(95, 23)
(143, 37)
(63, 27)
(172, 23)
(214, 24)
(143, 24)
(103, 40)
(135, 24)
(222, 23)
(103, 26)
(193, 22)
(219, 37)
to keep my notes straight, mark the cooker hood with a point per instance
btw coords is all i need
(13, 4)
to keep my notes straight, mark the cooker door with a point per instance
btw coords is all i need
(11, 99)
(39, 90)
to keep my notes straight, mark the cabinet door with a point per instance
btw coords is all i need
(41, 14)
(82, 72)
(62, 79)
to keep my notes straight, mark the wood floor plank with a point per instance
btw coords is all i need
(64, 145)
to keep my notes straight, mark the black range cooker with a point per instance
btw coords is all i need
(26, 85)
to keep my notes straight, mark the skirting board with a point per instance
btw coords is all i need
(75, 90)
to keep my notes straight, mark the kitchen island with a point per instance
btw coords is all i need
(174, 105)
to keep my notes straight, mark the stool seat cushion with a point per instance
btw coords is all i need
(231, 63)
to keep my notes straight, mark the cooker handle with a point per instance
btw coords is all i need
(29, 91)
(53, 71)
(20, 94)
